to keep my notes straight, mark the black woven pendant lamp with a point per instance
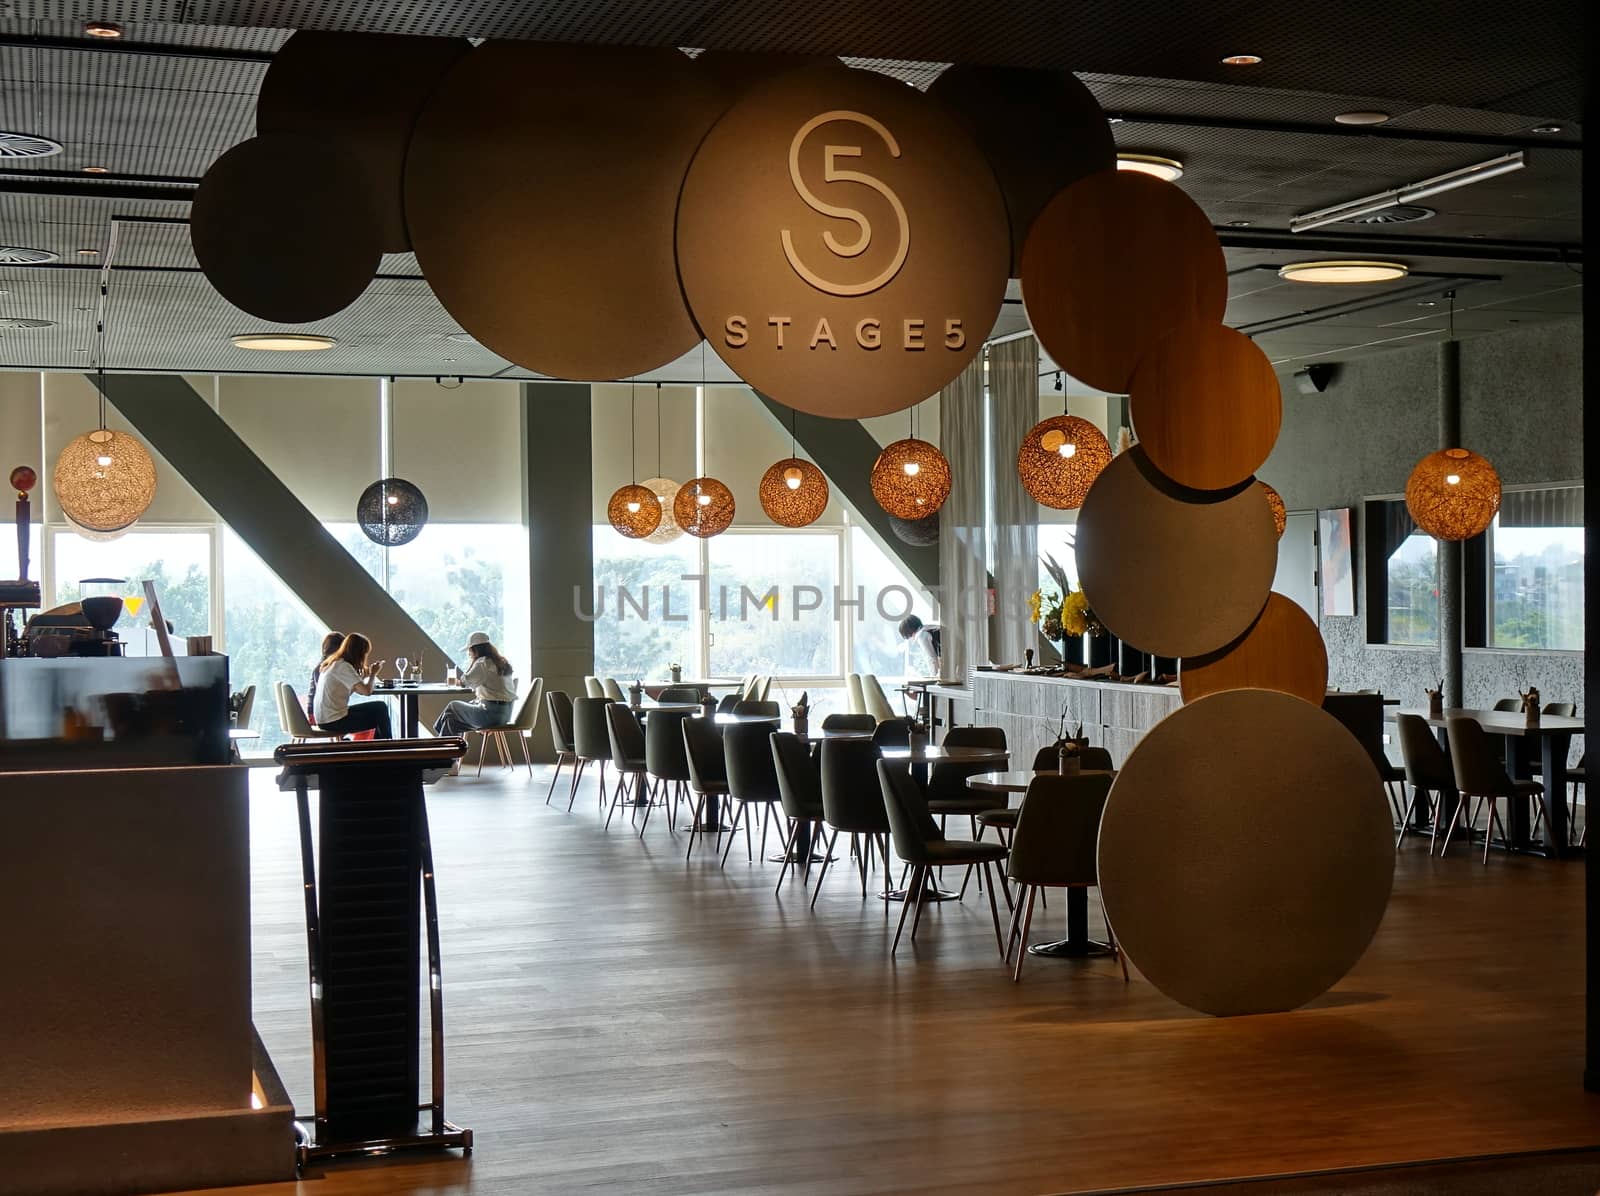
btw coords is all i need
(392, 511)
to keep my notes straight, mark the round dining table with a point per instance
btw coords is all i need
(408, 694)
(1077, 944)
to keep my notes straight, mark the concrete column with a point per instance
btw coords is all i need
(1451, 581)
(557, 510)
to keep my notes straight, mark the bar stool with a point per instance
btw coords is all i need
(591, 743)
(1480, 775)
(708, 772)
(627, 757)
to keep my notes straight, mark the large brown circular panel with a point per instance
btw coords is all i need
(540, 191)
(284, 229)
(1282, 651)
(1178, 572)
(842, 242)
(361, 91)
(1246, 853)
(1206, 405)
(1112, 264)
(1040, 130)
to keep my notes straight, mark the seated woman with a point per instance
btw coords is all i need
(488, 675)
(347, 672)
(330, 645)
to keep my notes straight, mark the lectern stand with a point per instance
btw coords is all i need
(363, 915)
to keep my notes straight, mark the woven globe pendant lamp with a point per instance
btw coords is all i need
(392, 512)
(1280, 513)
(911, 479)
(704, 507)
(634, 510)
(919, 533)
(104, 480)
(1059, 460)
(1453, 494)
(793, 492)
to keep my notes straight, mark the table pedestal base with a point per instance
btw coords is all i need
(929, 894)
(1071, 949)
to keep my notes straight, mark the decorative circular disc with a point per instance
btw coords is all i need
(911, 479)
(842, 242)
(1282, 651)
(392, 512)
(1111, 265)
(740, 70)
(1206, 405)
(1060, 458)
(540, 192)
(1040, 131)
(361, 91)
(1178, 572)
(666, 492)
(919, 533)
(104, 480)
(704, 507)
(794, 493)
(284, 229)
(634, 511)
(1280, 513)
(1246, 853)
(1453, 494)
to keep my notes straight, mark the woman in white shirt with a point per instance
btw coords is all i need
(344, 673)
(488, 675)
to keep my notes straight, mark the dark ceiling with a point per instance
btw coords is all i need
(1463, 81)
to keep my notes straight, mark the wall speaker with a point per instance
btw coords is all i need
(1315, 379)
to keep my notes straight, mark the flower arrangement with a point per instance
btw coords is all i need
(1063, 612)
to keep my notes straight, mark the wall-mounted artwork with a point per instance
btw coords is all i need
(1336, 561)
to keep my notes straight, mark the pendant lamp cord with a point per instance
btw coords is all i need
(794, 446)
(659, 474)
(1451, 296)
(633, 429)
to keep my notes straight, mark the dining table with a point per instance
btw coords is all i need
(1549, 740)
(1077, 944)
(409, 694)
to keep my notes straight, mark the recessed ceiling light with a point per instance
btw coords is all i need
(282, 342)
(1166, 169)
(1547, 128)
(1427, 303)
(1241, 60)
(102, 29)
(94, 170)
(1343, 272)
(1362, 118)
(1240, 223)
(88, 253)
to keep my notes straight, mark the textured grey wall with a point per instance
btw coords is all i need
(1521, 405)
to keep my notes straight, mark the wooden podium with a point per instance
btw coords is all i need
(366, 899)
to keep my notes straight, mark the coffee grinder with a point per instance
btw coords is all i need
(101, 601)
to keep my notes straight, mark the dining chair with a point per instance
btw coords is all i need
(292, 716)
(1480, 775)
(627, 757)
(247, 705)
(877, 702)
(857, 699)
(726, 703)
(1428, 771)
(849, 722)
(1509, 704)
(559, 704)
(1058, 832)
(852, 802)
(758, 707)
(708, 772)
(892, 733)
(1561, 709)
(947, 781)
(918, 842)
(592, 687)
(800, 795)
(591, 743)
(666, 759)
(679, 693)
(521, 726)
(752, 779)
(1047, 760)
(613, 690)
(763, 688)
(747, 686)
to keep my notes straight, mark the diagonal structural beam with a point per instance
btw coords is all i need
(266, 515)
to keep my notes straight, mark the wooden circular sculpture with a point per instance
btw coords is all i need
(1112, 264)
(540, 192)
(793, 492)
(666, 492)
(1282, 651)
(704, 507)
(1205, 405)
(284, 229)
(1059, 460)
(1178, 572)
(842, 242)
(361, 92)
(1280, 513)
(911, 479)
(1246, 853)
(634, 510)
(1453, 494)
(104, 480)
(1040, 131)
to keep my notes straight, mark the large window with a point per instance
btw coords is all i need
(1534, 554)
(178, 561)
(1413, 591)
(771, 603)
(875, 626)
(458, 578)
(269, 635)
(645, 614)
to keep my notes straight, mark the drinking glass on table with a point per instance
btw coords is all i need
(400, 663)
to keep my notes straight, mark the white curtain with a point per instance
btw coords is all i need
(1014, 408)
(963, 571)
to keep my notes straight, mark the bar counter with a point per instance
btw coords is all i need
(1028, 707)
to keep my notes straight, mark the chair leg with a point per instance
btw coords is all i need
(561, 758)
(1016, 921)
(738, 817)
(766, 817)
(788, 853)
(827, 854)
(577, 775)
(527, 752)
(483, 746)
(922, 892)
(1405, 818)
(1494, 820)
(649, 803)
(1455, 821)
(1027, 922)
(905, 908)
(994, 912)
(616, 799)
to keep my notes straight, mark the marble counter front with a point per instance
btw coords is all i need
(1028, 708)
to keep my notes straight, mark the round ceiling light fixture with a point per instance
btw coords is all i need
(1168, 170)
(1280, 513)
(1343, 272)
(634, 511)
(1548, 129)
(391, 512)
(18, 255)
(1368, 117)
(1242, 60)
(666, 492)
(104, 480)
(1059, 460)
(1453, 494)
(104, 30)
(919, 533)
(793, 492)
(282, 342)
(911, 479)
(704, 507)
(27, 145)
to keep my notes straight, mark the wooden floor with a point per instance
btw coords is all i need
(619, 1021)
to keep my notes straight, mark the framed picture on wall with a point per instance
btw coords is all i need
(1336, 561)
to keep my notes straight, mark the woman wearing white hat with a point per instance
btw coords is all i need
(489, 676)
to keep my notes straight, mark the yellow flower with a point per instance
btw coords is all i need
(1075, 614)
(1035, 601)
